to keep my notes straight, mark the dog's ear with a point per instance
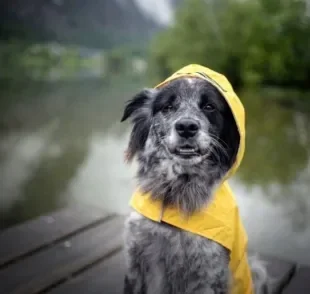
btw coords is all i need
(139, 108)
(137, 102)
(231, 139)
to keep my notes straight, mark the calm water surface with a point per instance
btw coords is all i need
(63, 143)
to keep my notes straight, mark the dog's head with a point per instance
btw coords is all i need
(189, 119)
(182, 129)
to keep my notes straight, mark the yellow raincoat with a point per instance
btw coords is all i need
(220, 220)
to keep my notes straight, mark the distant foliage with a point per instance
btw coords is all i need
(251, 41)
(21, 60)
(118, 60)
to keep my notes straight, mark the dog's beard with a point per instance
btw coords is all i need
(185, 184)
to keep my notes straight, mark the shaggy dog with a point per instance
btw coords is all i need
(185, 138)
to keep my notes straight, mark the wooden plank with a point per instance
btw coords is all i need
(55, 264)
(35, 234)
(106, 277)
(300, 283)
(280, 272)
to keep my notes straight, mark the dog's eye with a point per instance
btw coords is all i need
(167, 108)
(208, 108)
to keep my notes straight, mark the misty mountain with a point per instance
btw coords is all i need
(91, 23)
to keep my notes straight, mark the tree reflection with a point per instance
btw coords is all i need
(277, 141)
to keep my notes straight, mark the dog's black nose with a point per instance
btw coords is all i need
(187, 128)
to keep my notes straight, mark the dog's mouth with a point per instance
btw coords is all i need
(187, 151)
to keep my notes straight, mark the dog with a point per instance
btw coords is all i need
(185, 139)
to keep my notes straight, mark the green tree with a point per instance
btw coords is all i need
(251, 41)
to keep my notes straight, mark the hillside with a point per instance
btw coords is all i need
(92, 23)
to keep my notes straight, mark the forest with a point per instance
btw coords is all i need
(260, 42)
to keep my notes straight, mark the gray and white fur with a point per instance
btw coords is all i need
(185, 139)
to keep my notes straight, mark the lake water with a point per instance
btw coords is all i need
(63, 143)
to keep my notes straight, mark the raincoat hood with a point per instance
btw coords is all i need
(220, 220)
(225, 88)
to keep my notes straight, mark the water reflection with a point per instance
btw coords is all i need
(103, 178)
(21, 155)
(64, 144)
(275, 228)
(277, 142)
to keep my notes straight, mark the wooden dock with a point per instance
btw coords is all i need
(79, 250)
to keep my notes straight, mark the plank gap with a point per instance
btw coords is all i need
(80, 271)
(47, 245)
